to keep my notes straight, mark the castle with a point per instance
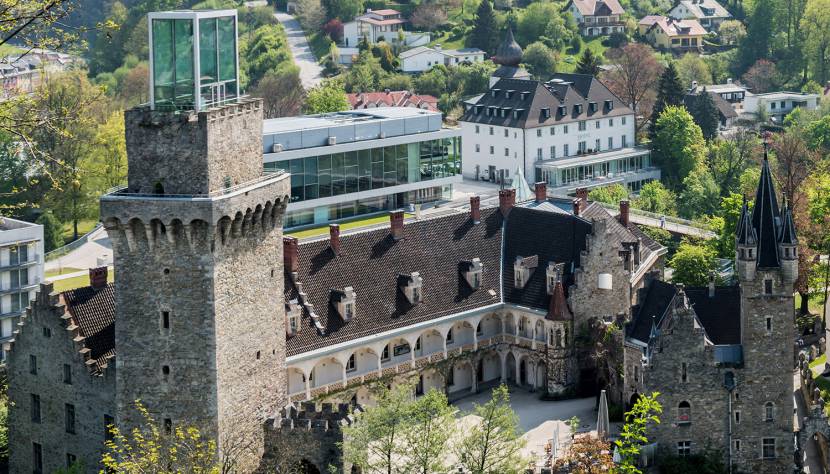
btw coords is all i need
(217, 320)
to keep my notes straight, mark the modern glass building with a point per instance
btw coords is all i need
(361, 161)
(185, 42)
(631, 167)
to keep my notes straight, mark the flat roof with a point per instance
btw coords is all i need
(593, 158)
(346, 117)
(7, 223)
(785, 95)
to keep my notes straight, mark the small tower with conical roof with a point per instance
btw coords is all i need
(509, 57)
(788, 245)
(745, 245)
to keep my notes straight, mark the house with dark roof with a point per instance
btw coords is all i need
(722, 356)
(709, 13)
(570, 132)
(597, 17)
(726, 111)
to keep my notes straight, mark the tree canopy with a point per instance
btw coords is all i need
(678, 146)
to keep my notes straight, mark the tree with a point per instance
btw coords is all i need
(346, 10)
(282, 92)
(731, 32)
(396, 82)
(762, 76)
(612, 194)
(383, 51)
(645, 412)
(329, 96)
(818, 134)
(678, 146)
(815, 27)
(540, 60)
(485, 33)
(366, 73)
(759, 34)
(428, 16)
(147, 449)
(533, 22)
(692, 68)
(334, 29)
(52, 231)
(432, 82)
(311, 14)
(267, 50)
(793, 164)
(656, 198)
(705, 114)
(106, 163)
(669, 92)
(430, 427)
(692, 264)
(374, 441)
(699, 194)
(588, 63)
(586, 455)
(495, 443)
(729, 157)
(729, 213)
(635, 77)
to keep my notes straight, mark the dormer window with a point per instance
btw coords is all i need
(494, 93)
(524, 95)
(609, 105)
(523, 268)
(508, 93)
(344, 302)
(411, 286)
(293, 312)
(472, 270)
(578, 109)
(592, 107)
(478, 109)
(546, 112)
(563, 110)
(553, 275)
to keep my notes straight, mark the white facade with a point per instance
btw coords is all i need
(380, 24)
(422, 59)
(21, 270)
(779, 104)
(489, 149)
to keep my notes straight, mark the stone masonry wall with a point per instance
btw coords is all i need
(43, 333)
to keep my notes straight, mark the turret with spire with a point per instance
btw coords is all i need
(509, 57)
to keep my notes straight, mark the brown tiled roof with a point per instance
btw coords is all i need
(598, 7)
(370, 263)
(363, 100)
(93, 311)
(672, 27)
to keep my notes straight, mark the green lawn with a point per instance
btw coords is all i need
(344, 225)
(567, 62)
(446, 43)
(61, 271)
(84, 226)
(816, 304)
(320, 44)
(79, 282)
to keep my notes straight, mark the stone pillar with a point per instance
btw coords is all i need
(473, 369)
(380, 367)
(475, 340)
(308, 388)
(444, 341)
(518, 372)
(345, 378)
(533, 337)
(503, 364)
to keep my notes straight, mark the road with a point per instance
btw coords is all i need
(310, 71)
(811, 459)
(87, 255)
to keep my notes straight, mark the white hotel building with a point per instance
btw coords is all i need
(569, 132)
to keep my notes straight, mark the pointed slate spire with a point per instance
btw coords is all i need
(788, 236)
(765, 217)
(558, 308)
(745, 232)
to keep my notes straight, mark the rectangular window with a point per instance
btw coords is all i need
(491, 130)
(165, 319)
(566, 129)
(581, 125)
(768, 286)
(596, 145)
(35, 407)
(623, 120)
(553, 130)
(597, 124)
(401, 349)
(768, 448)
(610, 122)
(385, 355)
(582, 146)
(684, 448)
(492, 149)
(67, 374)
(538, 132)
(566, 153)
(350, 364)
(69, 418)
(477, 129)
(478, 148)
(684, 375)
(33, 365)
(37, 458)
(553, 152)
(769, 324)
(737, 445)
(610, 143)
(505, 133)
(737, 417)
(70, 459)
(624, 141)
(539, 154)
(507, 152)
(47, 332)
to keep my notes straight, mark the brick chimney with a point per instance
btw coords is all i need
(396, 224)
(541, 191)
(624, 206)
(98, 277)
(576, 206)
(475, 209)
(291, 254)
(507, 199)
(582, 195)
(334, 238)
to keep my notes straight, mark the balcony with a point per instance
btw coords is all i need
(32, 261)
(19, 288)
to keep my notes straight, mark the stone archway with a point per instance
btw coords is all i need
(522, 380)
(510, 368)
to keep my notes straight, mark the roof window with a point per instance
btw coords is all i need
(609, 104)
(293, 312)
(523, 268)
(546, 112)
(411, 285)
(472, 270)
(553, 275)
(344, 301)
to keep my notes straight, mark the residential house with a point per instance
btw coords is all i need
(597, 17)
(779, 104)
(669, 34)
(422, 58)
(709, 13)
(377, 25)
(390, 98)
(726, 112)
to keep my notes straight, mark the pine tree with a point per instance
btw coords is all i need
(588, 63)
(52, 231)
(706, 115)
(759, 33)
(669, 93)
(485, 32)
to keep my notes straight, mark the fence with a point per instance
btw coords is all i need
(61, 251)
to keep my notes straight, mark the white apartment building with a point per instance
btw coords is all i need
(21, 270)
(569, 132)
(779, 104)
(423, 58)
(377, 25)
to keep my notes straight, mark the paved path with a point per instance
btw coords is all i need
(310, 71)
(87, 255)
(810, 456)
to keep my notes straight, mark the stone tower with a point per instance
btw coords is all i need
(197, 241)
(767, 267)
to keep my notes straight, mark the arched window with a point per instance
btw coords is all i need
(684, 412)
(769, 411)
(158, 188)
(558, 338)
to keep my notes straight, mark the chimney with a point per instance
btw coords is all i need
(334, 238)
(507, 198)
(396, 224)
(541, 191)
(624, 206)
(711, 285)
(290, 254)
(98, 277)
(576, 207)
(475, 209)
(729, 80)
(582, 195)
(694, 85)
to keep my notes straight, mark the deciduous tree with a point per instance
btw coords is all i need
(678, 146)
(731, 32)
(645, 412)
(729, 156)
(634, 78)
(692, 264)
(540, 60)
(815, 27)
(692, 68)
(431, 424)
(494, 444)
(612, 194)
(329, 96)
(762, 76)
(656, 198)
(282, 92)
(428, 16)
(311, 14)
(52, 231)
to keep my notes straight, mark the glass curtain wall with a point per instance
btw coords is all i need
(173, 84)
